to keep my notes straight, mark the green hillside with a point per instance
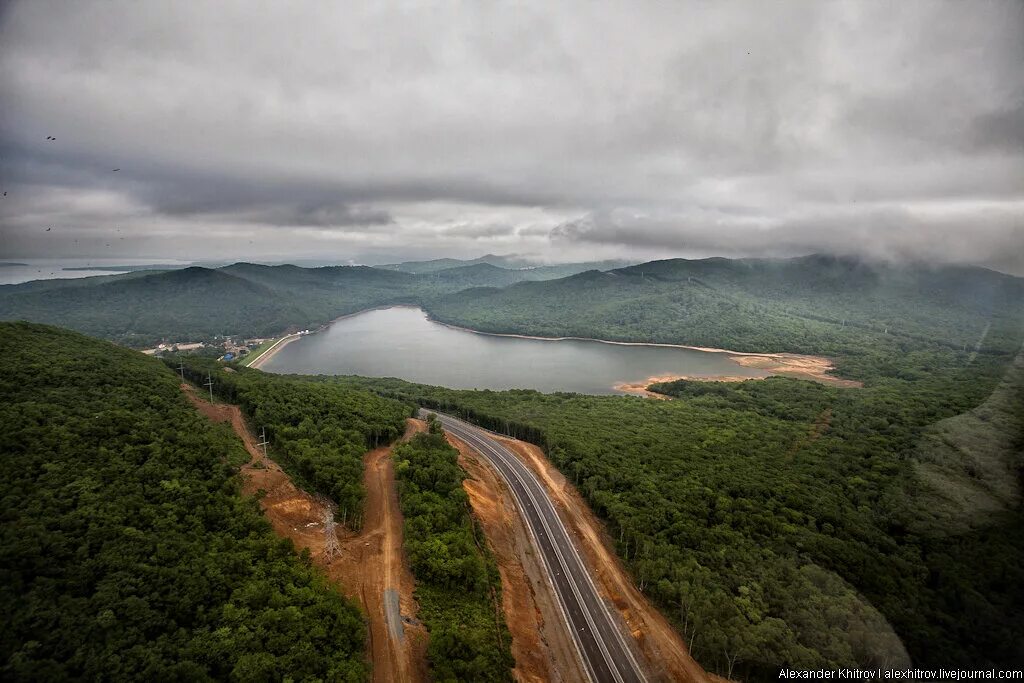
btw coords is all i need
(195, 303)
(127, 552)
(458, 587)
(319, 432)
(144, 307)
(817, 305)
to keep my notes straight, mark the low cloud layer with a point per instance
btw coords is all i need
(569, 130)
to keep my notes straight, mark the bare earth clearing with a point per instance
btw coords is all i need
(793, 365)
(371, 561)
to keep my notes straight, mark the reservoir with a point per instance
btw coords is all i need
(404, 343)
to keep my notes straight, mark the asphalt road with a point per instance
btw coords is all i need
(596, 630)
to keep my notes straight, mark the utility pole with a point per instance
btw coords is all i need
(209, 383)
(332, 548)
(263, 441)
(181, 369)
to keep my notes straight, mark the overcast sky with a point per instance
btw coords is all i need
(566, 130)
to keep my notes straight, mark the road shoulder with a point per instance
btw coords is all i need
(541, 645)
(665, 654)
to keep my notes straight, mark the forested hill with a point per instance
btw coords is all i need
(814, 304)
(127, 552)
(528, 269)
(141, 308)
(200, 303)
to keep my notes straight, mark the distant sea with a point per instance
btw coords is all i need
(15, 270)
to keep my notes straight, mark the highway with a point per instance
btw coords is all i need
(596, 630)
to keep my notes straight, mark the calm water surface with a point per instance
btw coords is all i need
(403, 343)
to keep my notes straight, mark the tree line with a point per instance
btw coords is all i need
(126, 549)
(457, 584)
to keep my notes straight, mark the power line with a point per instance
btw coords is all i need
(263, 441)
(332, 547)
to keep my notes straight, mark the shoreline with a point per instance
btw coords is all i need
(800, 366)
(269, 353)
(780, 363)
(706, 349)
(289, 338)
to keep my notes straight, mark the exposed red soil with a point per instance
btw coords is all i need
(370, 559)
(541, 644)
(663, 648)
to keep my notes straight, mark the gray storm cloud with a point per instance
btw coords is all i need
(354, 130)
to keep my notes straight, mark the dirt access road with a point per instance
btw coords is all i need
(371, 564)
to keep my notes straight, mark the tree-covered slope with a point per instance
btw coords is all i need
(319, 431)
(189, 303)
(200, 303)
(457, 583)
(245, 299)
(816, 304)
(126, 551)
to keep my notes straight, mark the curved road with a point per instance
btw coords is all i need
(595, 629)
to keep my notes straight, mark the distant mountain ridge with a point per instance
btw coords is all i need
(812, 304)
(430, 266)
(509, 262)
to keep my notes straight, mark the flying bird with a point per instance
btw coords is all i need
(49, 229)
(115, 170)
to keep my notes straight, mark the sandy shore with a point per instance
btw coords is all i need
(640, 388)
(816, 368)
(794, 365)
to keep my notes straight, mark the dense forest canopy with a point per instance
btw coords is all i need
(457, 584)
(127, 550)
(319, 431)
